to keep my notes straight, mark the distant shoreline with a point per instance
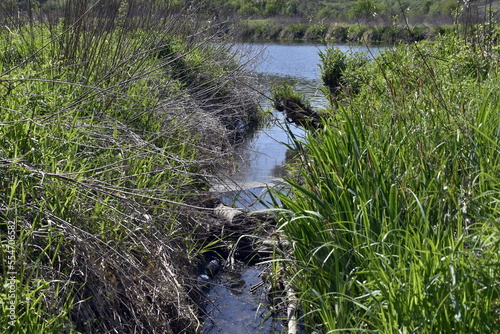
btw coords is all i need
(268, 29)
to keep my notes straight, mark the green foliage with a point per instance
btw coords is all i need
(333, 65)
(356, 32)
(393, 218)
(248, 10)
(338, 32)
(30, 304)
(285, 92)
(444, 8)
(327, 13)
(333, 32)
(110, 117)
(292, 8)
(294, 31)
(384, 12)
(366, 9)
(316, 31)
(339, 70)
(274, 7)
(260, 29)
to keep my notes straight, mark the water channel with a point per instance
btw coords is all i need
(259, 165)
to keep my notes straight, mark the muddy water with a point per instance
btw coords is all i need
(259, 165)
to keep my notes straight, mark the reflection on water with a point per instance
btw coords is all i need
(259, 164)
(260, 158)
(236, 310)
(295, 60)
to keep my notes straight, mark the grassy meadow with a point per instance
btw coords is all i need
(111, 117)
(393, 212)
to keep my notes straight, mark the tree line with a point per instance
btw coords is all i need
(381, 12)
(372, 12)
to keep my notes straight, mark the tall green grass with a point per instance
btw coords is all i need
(393, 218)
(110, 116)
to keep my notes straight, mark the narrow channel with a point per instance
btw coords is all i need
(260, 159)
(260, 164)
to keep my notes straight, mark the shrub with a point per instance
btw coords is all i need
(338, 71)
(316, 31)
(338, 32)
(355, 32)
(294, 31)
(295, 105)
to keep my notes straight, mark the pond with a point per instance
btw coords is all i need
(260, 164)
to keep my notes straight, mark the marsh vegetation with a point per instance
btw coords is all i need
(114, 116)
(392, 216)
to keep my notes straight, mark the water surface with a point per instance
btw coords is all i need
(261, 157)
(260, 164)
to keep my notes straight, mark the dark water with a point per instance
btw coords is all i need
(259, 165)
(236, 310)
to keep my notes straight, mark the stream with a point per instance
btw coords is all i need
(260, 164)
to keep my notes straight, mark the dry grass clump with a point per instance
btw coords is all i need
(139, 289)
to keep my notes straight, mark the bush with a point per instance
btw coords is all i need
(316, 32)
(326, 13)
(248, 10)
(284, 94)
(295, 105)
(338, 32)
(294, 31)
(355, 32)
(339, 71)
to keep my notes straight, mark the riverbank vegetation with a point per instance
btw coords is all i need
(393, 211)
(372, 21)
(112, 117)
(265, 29)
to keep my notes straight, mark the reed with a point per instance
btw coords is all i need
(393, 216)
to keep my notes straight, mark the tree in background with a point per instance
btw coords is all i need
(366, 10)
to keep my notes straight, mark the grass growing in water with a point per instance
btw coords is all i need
(393, 219)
